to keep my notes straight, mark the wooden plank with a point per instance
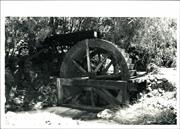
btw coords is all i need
(110, 77)
(88, 56)
(104, 96)
(111, 97)
(107, 67)
(107, 84)
(125, 95)
(119, 96)
(59, 91)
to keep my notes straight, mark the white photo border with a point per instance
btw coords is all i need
(89, 9)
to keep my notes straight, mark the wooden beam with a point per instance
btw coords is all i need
(88, 56)
(100, 64)
(125, 95)
(104, 96)
(110, 96)
(110, 77)
(107, 84)
(107, 67)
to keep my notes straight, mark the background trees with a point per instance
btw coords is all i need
(145, 39)
(154, 35)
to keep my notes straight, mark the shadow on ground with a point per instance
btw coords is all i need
(72, 113)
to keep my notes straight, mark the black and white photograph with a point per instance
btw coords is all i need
(90, 71)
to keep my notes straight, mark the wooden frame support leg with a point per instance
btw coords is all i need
(59, 91)
(125, 96)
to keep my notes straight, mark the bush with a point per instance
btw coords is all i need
(32, 94)
(157, 109)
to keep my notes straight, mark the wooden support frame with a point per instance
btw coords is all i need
(100, 87)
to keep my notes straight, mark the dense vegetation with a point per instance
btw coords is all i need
(157, 103)
(147, 40)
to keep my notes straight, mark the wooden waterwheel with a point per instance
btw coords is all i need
(94, 59)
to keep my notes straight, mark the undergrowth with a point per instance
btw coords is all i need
(157, 109)
(156, 105)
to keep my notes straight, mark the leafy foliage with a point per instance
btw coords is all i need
(157, 38)
(157, 104)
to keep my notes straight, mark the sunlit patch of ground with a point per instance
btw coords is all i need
(170, 74)
(48, 119)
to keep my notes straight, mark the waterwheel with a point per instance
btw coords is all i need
(94, 59)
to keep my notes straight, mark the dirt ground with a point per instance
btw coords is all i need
(54, 117)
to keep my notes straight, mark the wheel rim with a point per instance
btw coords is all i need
(105, 62)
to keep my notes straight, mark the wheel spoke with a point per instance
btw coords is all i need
(79, 67)
(107, 67)
(100, 64)
(88, 56)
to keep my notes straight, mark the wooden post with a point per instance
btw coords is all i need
(125, 95)
(88, 56)
(120, 96)
(59, 91)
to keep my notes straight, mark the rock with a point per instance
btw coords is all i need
(149, 88)
(148, 81)
(160, 90)
(155, 80)
(18, 100)
(151, 78)
(151, 68)
(158, 77)
(155, 92)
(164, 80)
(159, 82)
(38, 105)
(105, 114)
(149, 95)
